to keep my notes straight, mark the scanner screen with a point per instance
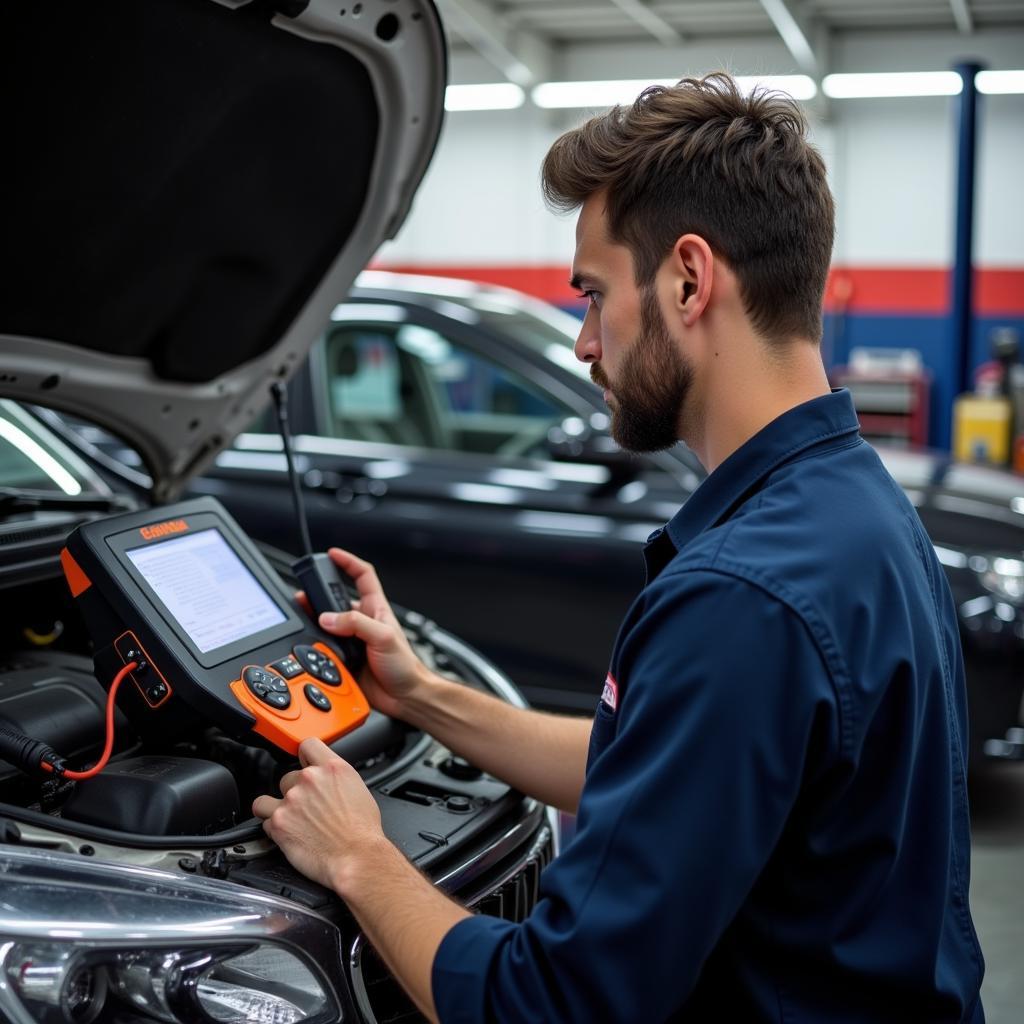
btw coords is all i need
(214, 598)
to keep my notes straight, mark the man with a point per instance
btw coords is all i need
(771, 797)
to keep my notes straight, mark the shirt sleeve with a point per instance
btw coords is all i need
(723, 694)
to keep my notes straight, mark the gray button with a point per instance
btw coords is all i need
(316, 697)
(287, 667)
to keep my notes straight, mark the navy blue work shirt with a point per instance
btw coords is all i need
(774, 822)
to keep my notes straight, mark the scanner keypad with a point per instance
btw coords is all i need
(268, 687)
(317, 664)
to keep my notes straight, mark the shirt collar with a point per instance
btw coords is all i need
(829, 417)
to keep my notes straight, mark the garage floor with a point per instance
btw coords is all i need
(997, 888)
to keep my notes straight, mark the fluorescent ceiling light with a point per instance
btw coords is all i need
(486, 96)
(895, 83)
(999, 81)
(800, 87)
(607, 93)
(591, 94)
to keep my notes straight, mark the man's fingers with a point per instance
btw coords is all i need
(371, 631)
(314, 751)
(264, 806)
(363, 574)
(289, 780)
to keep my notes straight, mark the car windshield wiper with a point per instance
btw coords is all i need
(19, 499)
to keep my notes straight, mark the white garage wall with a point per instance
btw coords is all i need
(892, 162)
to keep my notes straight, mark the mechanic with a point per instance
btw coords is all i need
(772, 812)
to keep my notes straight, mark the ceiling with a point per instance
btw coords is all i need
(519, 36)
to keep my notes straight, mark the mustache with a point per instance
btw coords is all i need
(598, 376)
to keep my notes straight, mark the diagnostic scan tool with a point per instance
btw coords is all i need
(182, 592)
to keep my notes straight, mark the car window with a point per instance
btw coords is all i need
(409, 384)
(30, 458)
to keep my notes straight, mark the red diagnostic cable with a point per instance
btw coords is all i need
(109, 746)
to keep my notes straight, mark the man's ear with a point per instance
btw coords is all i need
(692, 266)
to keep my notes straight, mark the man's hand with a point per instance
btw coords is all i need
(329, 828)
(326, 820)
(394, 673)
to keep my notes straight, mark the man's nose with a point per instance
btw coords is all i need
(588, 344)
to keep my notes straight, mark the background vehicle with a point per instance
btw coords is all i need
(449, 435)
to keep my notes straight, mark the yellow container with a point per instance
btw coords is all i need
(981, 429)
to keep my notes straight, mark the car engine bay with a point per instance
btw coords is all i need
(181, 806)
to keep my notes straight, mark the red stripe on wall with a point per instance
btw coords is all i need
(911, 291)
(999, 292)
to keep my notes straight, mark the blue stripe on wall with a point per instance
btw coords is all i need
(932, 337)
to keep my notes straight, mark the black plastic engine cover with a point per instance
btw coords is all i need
(159, 796)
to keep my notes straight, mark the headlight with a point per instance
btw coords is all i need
(1003, 577)
(86, 941)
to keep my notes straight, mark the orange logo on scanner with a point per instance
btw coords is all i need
(163, 529)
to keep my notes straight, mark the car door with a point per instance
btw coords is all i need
(424, 448)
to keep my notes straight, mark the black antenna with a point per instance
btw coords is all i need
(280, 396)
(326, 588)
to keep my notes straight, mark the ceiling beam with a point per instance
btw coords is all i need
(649, 21)
(962, 16)
(522, 57)
(795, 34)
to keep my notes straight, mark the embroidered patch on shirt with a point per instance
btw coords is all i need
(610, 695)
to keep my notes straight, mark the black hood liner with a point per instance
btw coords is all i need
(177, 176)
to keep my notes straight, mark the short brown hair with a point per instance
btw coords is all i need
(737, 170)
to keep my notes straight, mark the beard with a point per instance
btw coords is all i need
(651, 386)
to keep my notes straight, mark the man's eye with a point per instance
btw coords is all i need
(594, 298)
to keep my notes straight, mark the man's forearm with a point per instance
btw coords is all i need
(540, 754)
(402, 914)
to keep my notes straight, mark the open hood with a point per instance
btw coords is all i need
(190, 186)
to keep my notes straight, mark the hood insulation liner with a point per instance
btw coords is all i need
(178, 176)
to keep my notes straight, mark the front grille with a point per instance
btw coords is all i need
(514, 900)
(382, 999)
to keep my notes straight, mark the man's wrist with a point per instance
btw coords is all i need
(362, 864)
(423, 698)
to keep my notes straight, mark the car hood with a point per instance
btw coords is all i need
(190, 186)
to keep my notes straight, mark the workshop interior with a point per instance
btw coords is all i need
(279, 276)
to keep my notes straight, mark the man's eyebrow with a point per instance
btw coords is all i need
(581, 278)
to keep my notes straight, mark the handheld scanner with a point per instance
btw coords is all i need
(184, 589)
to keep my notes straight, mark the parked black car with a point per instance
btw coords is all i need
(448, 434)
(195, 183)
